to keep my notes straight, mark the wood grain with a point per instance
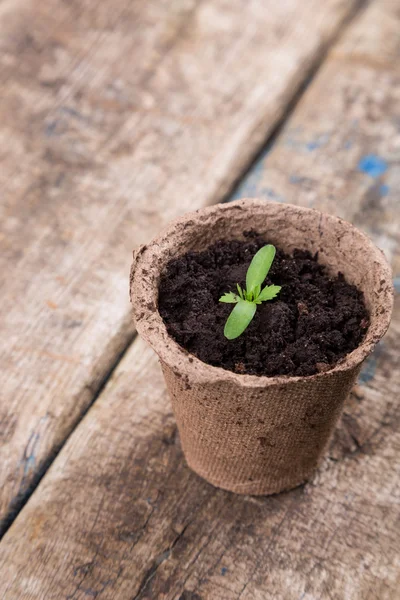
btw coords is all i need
(120, 517)
(340, 151)
(115, 117)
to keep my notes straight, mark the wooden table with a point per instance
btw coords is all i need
(116, 117)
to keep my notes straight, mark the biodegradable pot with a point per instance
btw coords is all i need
(245, 433)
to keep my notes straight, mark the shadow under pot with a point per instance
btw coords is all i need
(286, 421)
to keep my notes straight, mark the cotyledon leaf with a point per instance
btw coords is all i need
(239, 319)
(259, 267)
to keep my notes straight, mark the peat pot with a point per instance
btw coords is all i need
(285, 422)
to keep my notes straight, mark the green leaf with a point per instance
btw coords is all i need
(240, 291)
(239, 319)
(256, 292)
(259, 267)
(229, 298)
(269, 292)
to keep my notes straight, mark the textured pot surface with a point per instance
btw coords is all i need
(244, 433)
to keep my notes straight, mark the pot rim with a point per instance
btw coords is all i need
(149, 324)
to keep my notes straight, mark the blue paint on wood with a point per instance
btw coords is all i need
(369, 369)
(270, 193)
(52, 128)
(319, 142)
(384, 189)
(396, 284)
(295, 179)
(68, 110)
(312, 146)
(372, 165)
(250, 185)
(292, 140)
(28, 461)
(368, 372)
(29, 458)
(29, 464)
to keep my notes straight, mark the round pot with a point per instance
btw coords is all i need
(245, 433)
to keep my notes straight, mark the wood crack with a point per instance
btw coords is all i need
(158, 561)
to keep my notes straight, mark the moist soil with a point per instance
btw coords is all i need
(314, 321)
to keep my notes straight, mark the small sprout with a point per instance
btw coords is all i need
(247, 300)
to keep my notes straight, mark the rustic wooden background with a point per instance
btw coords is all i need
(114, 118)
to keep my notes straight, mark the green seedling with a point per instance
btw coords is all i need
(246, 300)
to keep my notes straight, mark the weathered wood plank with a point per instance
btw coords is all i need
(115, 117)
(119, 516)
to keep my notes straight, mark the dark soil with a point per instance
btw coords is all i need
(313, 322)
